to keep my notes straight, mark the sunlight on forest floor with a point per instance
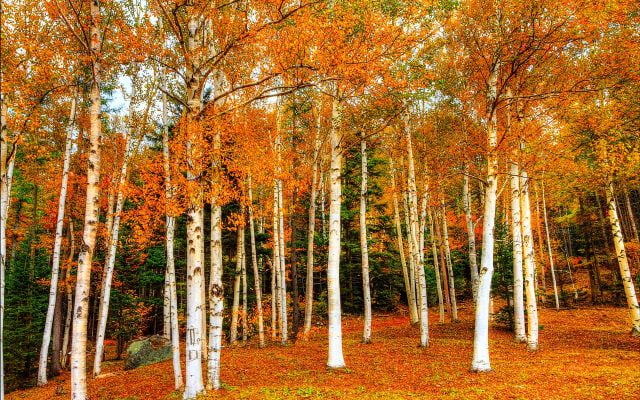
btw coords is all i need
(585, 353)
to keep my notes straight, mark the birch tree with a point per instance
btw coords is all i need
(57, 244)
(516, 238)
(366, 289)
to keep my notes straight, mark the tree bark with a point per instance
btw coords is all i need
(519, 329)
(549, 251)
(57, 244)
(480, 361)
(447, 249)
(308, 304)
(364, 247)
(235, 307)
(473, 259)
(529, 264)
(335, 356)
(623, 263)
(111, 258)
(256, 271)
(436, 267)
(419, 265)
(411, 301)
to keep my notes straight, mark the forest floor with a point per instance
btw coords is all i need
(584, 353)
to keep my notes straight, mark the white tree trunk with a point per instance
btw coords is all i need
(57, 244)
(245, 308)
(436, 268)
(419, 265)
(516, 238)
(111, 258)
(549, 251)
(480, 360)
(69, 293)
(216, 297)
(412, 260)
(170, 276)
(256, 271)
(632, 218)
(364, 247)
(447, 249)
(7, 162)
(284, 332)
(623, 263)
(529, 264)
(276, 321)
(92, 207)
(308, 305)
(335, 357)
(413, 311)
(235, 308)
(473, 260)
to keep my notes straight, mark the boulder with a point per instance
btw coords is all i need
(147, 351)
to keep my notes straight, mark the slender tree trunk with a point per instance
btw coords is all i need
(549, 251)
(516, 238)
(275, 269)
(308, 304)
(57, 244)
(92, 208)
(364, 247)
(256, 271)
(444, 276)
(69, 293)
(529, 264)
(413, 311)
(436, 267)
(623, 263)
(632, 218)
(56, 333)
(5, 194)
(111, 258)
(543, 274)
(235, 308)
(419, 265)
(447, 249)
(412, 261)
(245, 308)
(473, 260)
(284, 333)
(335, 357)
(481, 362)
(216, 292)
(170, 276)
(294, 269)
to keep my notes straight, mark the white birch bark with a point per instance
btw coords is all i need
(284, 331)
(623, 263)
(92, 208)
(308, 304)
(235, 307)
(216, 297)
(412, 260)
(245, 308)
(103, 312)
(7, 160)
(256, 271)
(436, 268)
(335, 357)
(170, 276)
(473, 260)
(481, 360)
(516, 239)
(632, 218)
(364, 247)
(57, 244)
(549, 250)
(413, 216)
(276, 298)
(413, 311)
(447, 249)
(529, 264)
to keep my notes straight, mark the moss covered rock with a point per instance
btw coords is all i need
(147, 351)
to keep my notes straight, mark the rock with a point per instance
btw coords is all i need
(151, 350)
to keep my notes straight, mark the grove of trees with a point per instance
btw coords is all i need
(224, 171)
